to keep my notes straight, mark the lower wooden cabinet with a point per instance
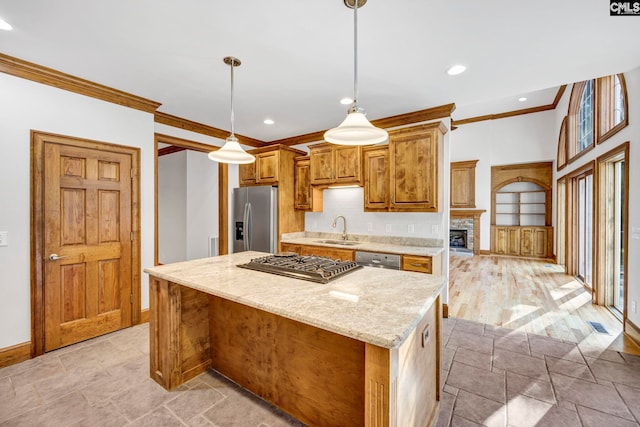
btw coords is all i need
(535, 242)
(422, 264)
(323, 251)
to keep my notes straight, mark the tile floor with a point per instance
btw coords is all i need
(491, 376)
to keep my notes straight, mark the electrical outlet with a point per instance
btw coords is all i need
(4, 238)
(411, 228)
(369, 227)
(634, 307)
(434, 229)
(387, 228)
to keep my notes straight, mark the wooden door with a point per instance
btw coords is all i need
(267, 168)
(463, 184)
(322, 164)
(499, 242)
(526, 241)
(87, 243)
(513, 240)
(348, 164)
(376, 179)
(541, 237)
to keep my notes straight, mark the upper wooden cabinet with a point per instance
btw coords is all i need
(463, 184)
(414, 155)
(335, 164)
(376, 178)
(306, 197)
(269, 166)
(263, 171)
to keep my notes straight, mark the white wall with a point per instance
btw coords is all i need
(519, 139)
(202, 204)
(630, 133)
(26, 105)
(172, 203)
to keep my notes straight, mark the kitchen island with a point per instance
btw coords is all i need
(360, 350)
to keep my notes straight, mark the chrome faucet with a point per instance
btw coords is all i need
(344, 229)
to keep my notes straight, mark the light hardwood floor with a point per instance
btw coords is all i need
(531, 296)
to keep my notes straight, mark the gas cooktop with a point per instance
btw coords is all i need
(312, 268)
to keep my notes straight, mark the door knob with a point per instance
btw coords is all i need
(55, 257)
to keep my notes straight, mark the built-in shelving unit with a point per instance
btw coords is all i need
(521, 203)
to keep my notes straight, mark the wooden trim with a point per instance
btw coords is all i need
(179, 122)
(514, 113)
(223, 209)
(445, 310)
(572, 214)
(37, 227)
(632, 331)
(169, 150)
(562, 145)
(559, 94)
(50, 77)
(15, 354)
(144, 316)
(434, 113)
(485, 252)
(601, 220)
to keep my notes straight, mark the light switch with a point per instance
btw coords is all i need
(4, 238)
(387, 228)
(434, 229)
(369, 226)
(411, 228)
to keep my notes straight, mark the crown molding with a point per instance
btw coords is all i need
(179, 122)
(439, 112)
(552, 106)
(48, 76)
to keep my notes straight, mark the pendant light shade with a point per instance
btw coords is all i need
(231, 151)
(356, 129)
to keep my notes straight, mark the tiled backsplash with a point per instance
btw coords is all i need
(349, 203)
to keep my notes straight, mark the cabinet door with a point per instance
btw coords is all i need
(541, 238)
(413, 158)
(267, 168)
(290, 247)
(302, 185)
(347, 167)
(513, 240)
(500, 240)
(526, 241)
(421, 264)
(247, 173)
(376, 178)
(463, 184)
(322, 165)
(333, 253)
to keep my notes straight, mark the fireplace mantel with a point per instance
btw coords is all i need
(470, 213)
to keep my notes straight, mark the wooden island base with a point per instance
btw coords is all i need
(320, 377)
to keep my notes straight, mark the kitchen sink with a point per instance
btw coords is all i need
(339, 242)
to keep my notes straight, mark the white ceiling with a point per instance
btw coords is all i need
(297, 56)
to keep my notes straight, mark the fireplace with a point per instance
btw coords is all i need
(457, 238)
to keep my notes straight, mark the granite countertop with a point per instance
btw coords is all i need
(373, 305)
(382, 244)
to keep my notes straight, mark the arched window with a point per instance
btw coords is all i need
(597, 110)
(585, 118)
(562, 145)
(612, 105)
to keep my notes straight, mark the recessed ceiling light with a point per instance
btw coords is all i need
(456, 69)
(268, 121)
(522, 99)
(346, 101)
(4, 25)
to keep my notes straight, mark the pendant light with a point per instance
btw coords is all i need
(356, 129)
(231, 151)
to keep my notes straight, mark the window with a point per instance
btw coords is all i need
(612, 106)
(585, 118)
(597, 110)
(562, 145)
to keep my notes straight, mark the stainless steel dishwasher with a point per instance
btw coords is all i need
(373, 259)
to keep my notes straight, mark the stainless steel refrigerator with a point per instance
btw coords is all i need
(255, 219)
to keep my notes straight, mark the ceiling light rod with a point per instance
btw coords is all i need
(231, 151)
(356, 129)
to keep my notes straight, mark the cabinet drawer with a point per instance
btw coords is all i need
(416, 263)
